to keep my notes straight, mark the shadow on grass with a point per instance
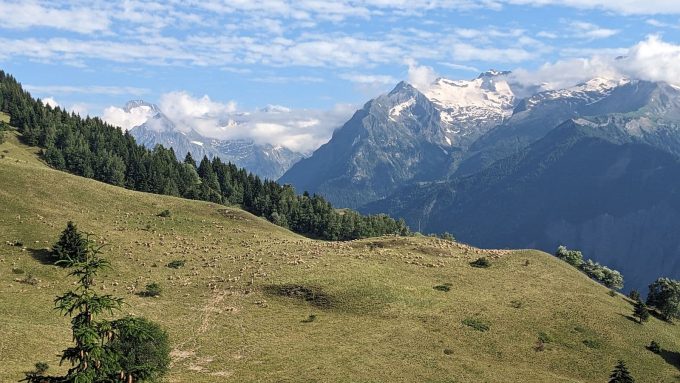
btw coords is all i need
(630, 318)
(671, 357)
(43, 256)
(314, 295)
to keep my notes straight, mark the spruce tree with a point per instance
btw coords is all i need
(621, 374)
(640, 311)
(71, 246)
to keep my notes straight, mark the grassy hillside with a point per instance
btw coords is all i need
(230, 313)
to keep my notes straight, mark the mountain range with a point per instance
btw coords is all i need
(593, 166)
(267, 161)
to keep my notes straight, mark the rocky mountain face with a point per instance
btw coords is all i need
(404, 136)
(267, 161)
(592, 166)
(395, 138)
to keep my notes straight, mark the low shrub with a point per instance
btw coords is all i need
(476, 324)
(176, 264)
(311, 318)
(153, 289)
(654, 347)
(592, 343)
(481, 263)
(545, 337)
(445, 287)
(165, 213)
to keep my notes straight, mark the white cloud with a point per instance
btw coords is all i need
(420, 76)
(651, 59)
(648, 7)
(50, 101)
(79, 108)
(126, 120)
(467, 68)
(94, 89)
(591, 31)
(471, 52)
(29, 14)
(301, 130)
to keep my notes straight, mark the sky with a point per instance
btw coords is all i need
(290, 72)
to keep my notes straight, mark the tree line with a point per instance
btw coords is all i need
(91, 148)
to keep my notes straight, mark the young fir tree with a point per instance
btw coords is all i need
(71, 246)
(91, 359)
(640, 311)
(621, 374)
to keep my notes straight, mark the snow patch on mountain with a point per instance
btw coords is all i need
(590, 91)
(397, 110)
(469, 108)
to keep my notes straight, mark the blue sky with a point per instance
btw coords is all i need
(321, 58)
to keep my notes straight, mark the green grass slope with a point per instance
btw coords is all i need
(378, 317)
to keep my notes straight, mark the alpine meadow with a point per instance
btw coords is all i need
(339, 191)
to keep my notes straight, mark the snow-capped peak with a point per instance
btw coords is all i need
(590, 91)
(142, 105)
(462, 100)
(494, 73)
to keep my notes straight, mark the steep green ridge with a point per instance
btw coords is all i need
(378, 318)
(91, 148)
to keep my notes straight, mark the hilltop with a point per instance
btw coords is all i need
(233, 314)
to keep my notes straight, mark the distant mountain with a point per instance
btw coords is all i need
(403, 136)
(592, 186)
(395, 138)
(267, 161)
(606, 184)
(536, 115)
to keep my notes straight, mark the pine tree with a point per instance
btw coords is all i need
(640, 311)
(71, 246)
(621, 374)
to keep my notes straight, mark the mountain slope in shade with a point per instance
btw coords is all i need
(588, 185)
(535, 116)
(267, 161)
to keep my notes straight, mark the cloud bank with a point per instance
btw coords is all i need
(652, 59)
(301, 130)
